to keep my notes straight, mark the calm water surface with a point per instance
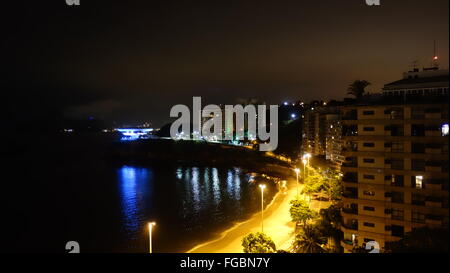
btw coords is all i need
(63, 190)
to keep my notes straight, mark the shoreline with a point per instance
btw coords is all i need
(274, 209)
(224, 233)
(197, 153)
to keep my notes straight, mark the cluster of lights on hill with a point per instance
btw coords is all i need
(134, 133)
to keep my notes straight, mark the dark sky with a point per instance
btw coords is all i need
(130, 60)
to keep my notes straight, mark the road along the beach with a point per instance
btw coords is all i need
(277, 225)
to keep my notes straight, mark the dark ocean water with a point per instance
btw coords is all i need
(58, 189)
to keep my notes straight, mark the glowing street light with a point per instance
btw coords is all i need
(307, 156)
(262, 186)
(305, 161)
(150, 229)
(297, 171)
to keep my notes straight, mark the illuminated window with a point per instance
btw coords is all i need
(445, 130)
(419, 182)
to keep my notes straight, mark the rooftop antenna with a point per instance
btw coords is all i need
(435, 63)
(415, 65)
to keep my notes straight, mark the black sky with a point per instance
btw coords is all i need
(130, 60)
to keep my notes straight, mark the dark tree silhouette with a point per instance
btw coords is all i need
(308, 241)
(357, 88)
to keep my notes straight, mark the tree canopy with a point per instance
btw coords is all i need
(300, 211)
(258, 243)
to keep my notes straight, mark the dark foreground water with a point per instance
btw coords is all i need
(59, 189)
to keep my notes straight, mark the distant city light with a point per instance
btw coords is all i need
(286, 103)
(133, 134)
(293, 116)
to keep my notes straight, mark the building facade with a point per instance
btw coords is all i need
(395, 174)
(321, 134)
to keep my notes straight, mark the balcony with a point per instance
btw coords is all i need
(395, 113)
(435, 202)
(434, 220)
(436, 169)
(350, 162)
(350, 130)
(433, 134)
(350, 178)
(397, 200)
(397, 217)
(353, 211)
(347, 242)
(350, 149)
(418, 203)
(396, 131)
(351, 226)
(350, 194)
(350, 115)
(434, 184)
(433, 151)
(433, 116)
(397, 197)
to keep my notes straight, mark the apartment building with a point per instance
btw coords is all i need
(321, 134)
(395, 174)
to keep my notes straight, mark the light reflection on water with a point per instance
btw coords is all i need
(134, 188)
(190, 201)
(215, 187)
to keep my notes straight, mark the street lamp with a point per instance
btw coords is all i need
(150, 229)
(262, 206)
(297, 171)
(306, 158)
(304, 167)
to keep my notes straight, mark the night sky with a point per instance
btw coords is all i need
(132, 61)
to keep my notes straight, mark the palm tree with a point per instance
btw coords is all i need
(308, 241)
(357, 88)
(329, 226)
